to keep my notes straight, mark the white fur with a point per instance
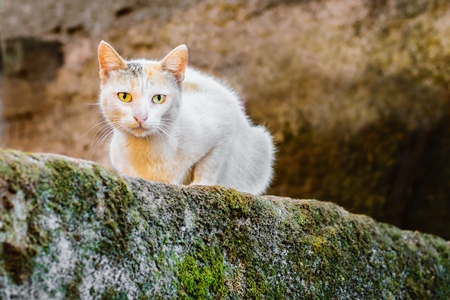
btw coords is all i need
(206, 130)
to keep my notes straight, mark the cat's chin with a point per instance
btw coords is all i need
(140, 132)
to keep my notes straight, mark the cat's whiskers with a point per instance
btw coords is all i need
(158, 139)
(98, 123)
(169, 126)
(97, 136)
(165, 128)
(100, 140)
(105, 124)
(93, 104)
(106, 135)
(101, 134)
(169, 130)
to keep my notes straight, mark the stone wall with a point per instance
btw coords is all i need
(70, 229)
(355, 92)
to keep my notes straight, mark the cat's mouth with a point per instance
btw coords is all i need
(140, 131)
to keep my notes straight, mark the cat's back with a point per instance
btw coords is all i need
(210, 100)
(199, 86)
(198, 81)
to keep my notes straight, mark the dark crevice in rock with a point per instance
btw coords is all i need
(33, 60)
(124, 11)
(17, 262)
(75, 29)
(57, 29)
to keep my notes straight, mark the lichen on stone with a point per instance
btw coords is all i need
(71, 229)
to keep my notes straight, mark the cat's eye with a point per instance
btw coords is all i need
(124, 97)
(158, 99)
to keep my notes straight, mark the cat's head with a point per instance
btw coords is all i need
(141, 97)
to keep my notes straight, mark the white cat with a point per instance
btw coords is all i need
(177, 125)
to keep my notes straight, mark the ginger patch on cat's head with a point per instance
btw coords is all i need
(150, 70)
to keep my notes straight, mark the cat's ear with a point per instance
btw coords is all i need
(109, 60)
(175, 62)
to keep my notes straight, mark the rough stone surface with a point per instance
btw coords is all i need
(71, 229)
(356, 92)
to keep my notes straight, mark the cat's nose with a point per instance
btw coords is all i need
(140, 119)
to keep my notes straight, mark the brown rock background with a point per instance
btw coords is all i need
(356, 92)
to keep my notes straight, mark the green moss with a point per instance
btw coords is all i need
(69, 191)
(19, 212)
(201, 274)
(82, 202)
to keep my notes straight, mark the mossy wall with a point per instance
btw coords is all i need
(70, 229)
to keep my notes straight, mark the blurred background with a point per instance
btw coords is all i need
(356, 92)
